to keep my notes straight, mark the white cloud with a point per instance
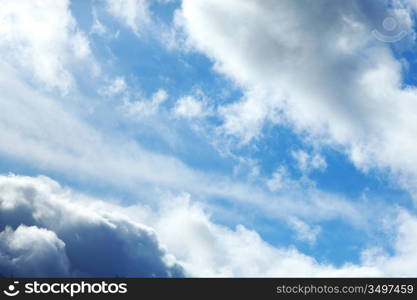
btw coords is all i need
(336, 83)
(145, 108)
(97, 27)
(245, 118)
(403, 261)
(190, 107)
(133, 13)
(303, 231)
(137, 16)
(215, 250)
(116, 86)
(281, 180)
(42, 38)
(307, 162)
(47, 135)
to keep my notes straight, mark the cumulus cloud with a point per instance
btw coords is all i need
(337, 84)
(216, 250)
(32, 251)
(42, 38)
(50, 231)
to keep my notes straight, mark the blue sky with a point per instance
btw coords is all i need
(208, 138)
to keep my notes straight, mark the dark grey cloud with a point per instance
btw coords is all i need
(46, 230)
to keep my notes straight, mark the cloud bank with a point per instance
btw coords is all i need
(47, 231)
